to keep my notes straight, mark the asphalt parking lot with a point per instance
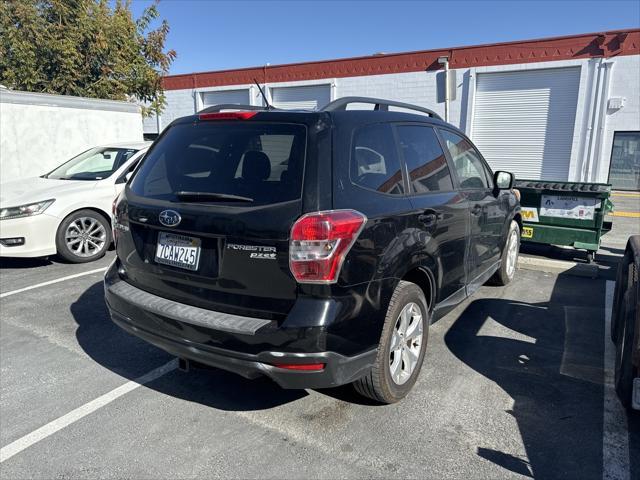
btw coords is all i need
(513, 386)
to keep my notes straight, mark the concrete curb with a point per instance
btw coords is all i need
(528, 262)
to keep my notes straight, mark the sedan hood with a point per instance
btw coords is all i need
(36, 189)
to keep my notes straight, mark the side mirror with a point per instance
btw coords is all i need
(503, 180)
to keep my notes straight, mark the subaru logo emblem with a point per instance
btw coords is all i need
(169, 218)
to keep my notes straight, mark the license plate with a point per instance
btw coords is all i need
(178, 250)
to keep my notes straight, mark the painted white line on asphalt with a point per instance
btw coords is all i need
(73, 416)
(615, 438)
(51, 282)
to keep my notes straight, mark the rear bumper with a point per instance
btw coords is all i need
(338, 370)
(246, 346)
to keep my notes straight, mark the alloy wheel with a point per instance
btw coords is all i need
(85, 237)
(406, 342)
(512, 253)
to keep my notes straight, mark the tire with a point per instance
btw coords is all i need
(625, 371)
(76, 245)
(618, 296)
(509, 264)
(380, 384)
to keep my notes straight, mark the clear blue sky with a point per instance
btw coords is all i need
(215, 35)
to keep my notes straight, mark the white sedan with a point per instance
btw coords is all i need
(68, 210)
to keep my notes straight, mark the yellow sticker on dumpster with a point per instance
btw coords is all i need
(527, 232)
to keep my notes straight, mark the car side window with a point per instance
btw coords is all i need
(374, 160)
(488, 173)
(467, 163)
(426, 163)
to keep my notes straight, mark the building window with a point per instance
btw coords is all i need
(624, 172)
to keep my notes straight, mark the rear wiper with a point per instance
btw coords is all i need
(209, 196)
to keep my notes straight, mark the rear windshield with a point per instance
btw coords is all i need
(257, 163)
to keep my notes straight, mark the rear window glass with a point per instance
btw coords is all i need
(261, 162)
(374, 161)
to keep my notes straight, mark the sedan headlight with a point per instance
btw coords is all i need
(28, 210)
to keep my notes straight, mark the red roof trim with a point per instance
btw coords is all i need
(588, 45)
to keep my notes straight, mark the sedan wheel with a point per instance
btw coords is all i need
(83, 236)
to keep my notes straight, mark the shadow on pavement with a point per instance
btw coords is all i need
(131, 357)
(552, 369)
(613, 250)
(606, 258)
(505, 460)
(550, 364)
(18, 263)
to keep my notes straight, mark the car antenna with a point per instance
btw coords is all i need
(264, 97)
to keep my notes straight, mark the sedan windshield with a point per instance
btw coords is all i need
(94, 164)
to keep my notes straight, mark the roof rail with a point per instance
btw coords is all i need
(341, 104)
(233, 106)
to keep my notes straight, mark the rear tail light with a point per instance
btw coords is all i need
(320, 242)
(226, 116)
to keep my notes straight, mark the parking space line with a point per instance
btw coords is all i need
(626, 214)
(626, 194)
(73, 416)
(51, 282)
(615, 438)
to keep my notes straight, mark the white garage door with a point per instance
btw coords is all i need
(523, 121)
(307, 98)
(225, 96)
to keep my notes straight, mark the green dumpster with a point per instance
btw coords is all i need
(565, 213)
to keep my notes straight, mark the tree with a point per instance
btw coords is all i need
(85, 48)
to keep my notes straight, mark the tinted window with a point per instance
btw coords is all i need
(374, 161)
(427, 165)
(261, 162)
(278, 149)
(488, 173)
(469, 167)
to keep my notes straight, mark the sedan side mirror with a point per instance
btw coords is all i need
(503, 180)
(124, 178)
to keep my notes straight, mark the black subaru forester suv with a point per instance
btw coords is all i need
(311, 247)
